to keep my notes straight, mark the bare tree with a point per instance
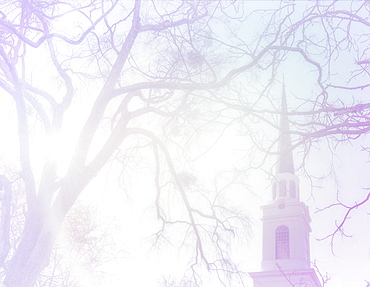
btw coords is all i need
(156, 76)
(131, 92)
(83, 249)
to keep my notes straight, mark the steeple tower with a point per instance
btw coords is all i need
(286, 223)
(285, 164)
(285, 185)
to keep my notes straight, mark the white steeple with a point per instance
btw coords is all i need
(286, 224)
(285, 185)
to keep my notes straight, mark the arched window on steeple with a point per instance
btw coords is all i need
(292, 189)
(282, 242)
(283, 188)
(274, 191)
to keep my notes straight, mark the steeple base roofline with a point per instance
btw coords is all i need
(286, 278)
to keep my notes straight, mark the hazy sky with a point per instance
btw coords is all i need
(127, 203)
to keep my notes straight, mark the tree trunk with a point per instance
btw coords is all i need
(41, 229)
(33, 252)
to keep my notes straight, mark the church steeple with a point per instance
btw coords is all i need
(285, 184)
(285, 164)
(286, 223)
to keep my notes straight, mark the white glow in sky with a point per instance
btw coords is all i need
(221, 141)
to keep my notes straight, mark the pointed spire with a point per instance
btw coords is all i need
(285, 164)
